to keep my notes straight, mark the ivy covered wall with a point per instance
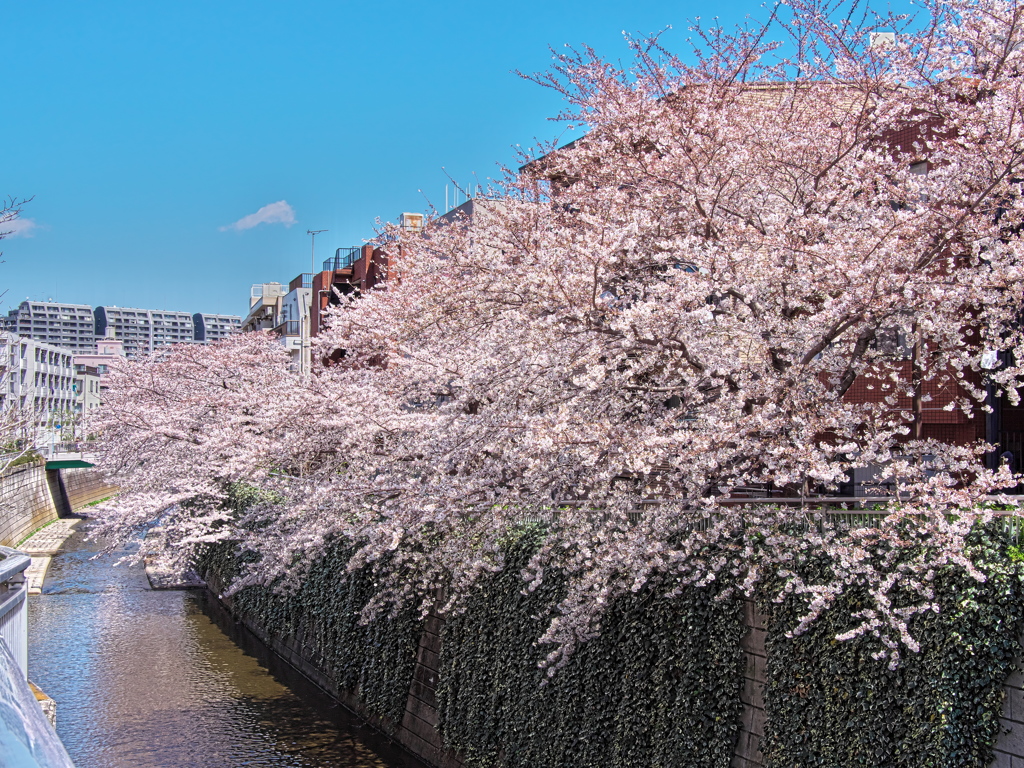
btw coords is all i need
(375, 660)
(829, 703)
(661, 686)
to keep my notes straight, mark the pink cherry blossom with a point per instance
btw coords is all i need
(630, 330)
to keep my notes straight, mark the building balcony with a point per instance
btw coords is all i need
(288, 328)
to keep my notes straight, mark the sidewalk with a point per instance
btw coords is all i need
(41, 546)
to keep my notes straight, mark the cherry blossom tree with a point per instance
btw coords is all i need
(181, 425)
(19, 422)
(636, 331)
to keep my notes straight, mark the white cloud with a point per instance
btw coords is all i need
(20, 227)
(275, 213)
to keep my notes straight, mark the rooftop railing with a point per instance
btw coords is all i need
(343, 258)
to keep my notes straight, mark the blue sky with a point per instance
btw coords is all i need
(145, 130)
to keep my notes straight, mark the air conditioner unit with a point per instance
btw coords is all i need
(411, 222)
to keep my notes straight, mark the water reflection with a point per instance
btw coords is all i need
(145, 678)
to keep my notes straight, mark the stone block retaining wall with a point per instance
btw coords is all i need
(1010, 746)
(31, 497)
(25, 502)
(748, 742)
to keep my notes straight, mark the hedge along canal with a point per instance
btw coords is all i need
(157, 678)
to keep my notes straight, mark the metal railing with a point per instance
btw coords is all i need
(13, 604)
(67, 446)
(27, 739)
(836, 512)
(343, 258)
(288, 328)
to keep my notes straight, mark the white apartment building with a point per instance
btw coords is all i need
(36, 376)
(144, 330)
(264, 307)
(286, 314)
(70, 326)
(293, 325)
(87, 388)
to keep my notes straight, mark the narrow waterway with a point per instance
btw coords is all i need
(148, 678)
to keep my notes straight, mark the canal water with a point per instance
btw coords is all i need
(147, 679)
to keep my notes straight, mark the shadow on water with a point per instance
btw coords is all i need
(166, 679)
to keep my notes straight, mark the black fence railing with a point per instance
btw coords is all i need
(820, 513)
(288, 328)
(343, 258)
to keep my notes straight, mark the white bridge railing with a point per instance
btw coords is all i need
(27, 740)
(13, 605)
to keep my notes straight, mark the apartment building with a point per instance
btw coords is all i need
(87, 388)
(78, 327)
(70, 326)
(36, 376)
(108, 351)
(355, 270)
(292, 323)
(285, 311)
(264, 307)
(144, 330)
(214, 327)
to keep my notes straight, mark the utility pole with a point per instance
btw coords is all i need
(305, 329)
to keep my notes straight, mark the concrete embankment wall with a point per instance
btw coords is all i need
(32, 496)
(84, 486)
(26, 502)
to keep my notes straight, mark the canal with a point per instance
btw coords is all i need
(146, 678)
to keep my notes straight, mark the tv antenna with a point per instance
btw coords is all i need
(312, 249)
